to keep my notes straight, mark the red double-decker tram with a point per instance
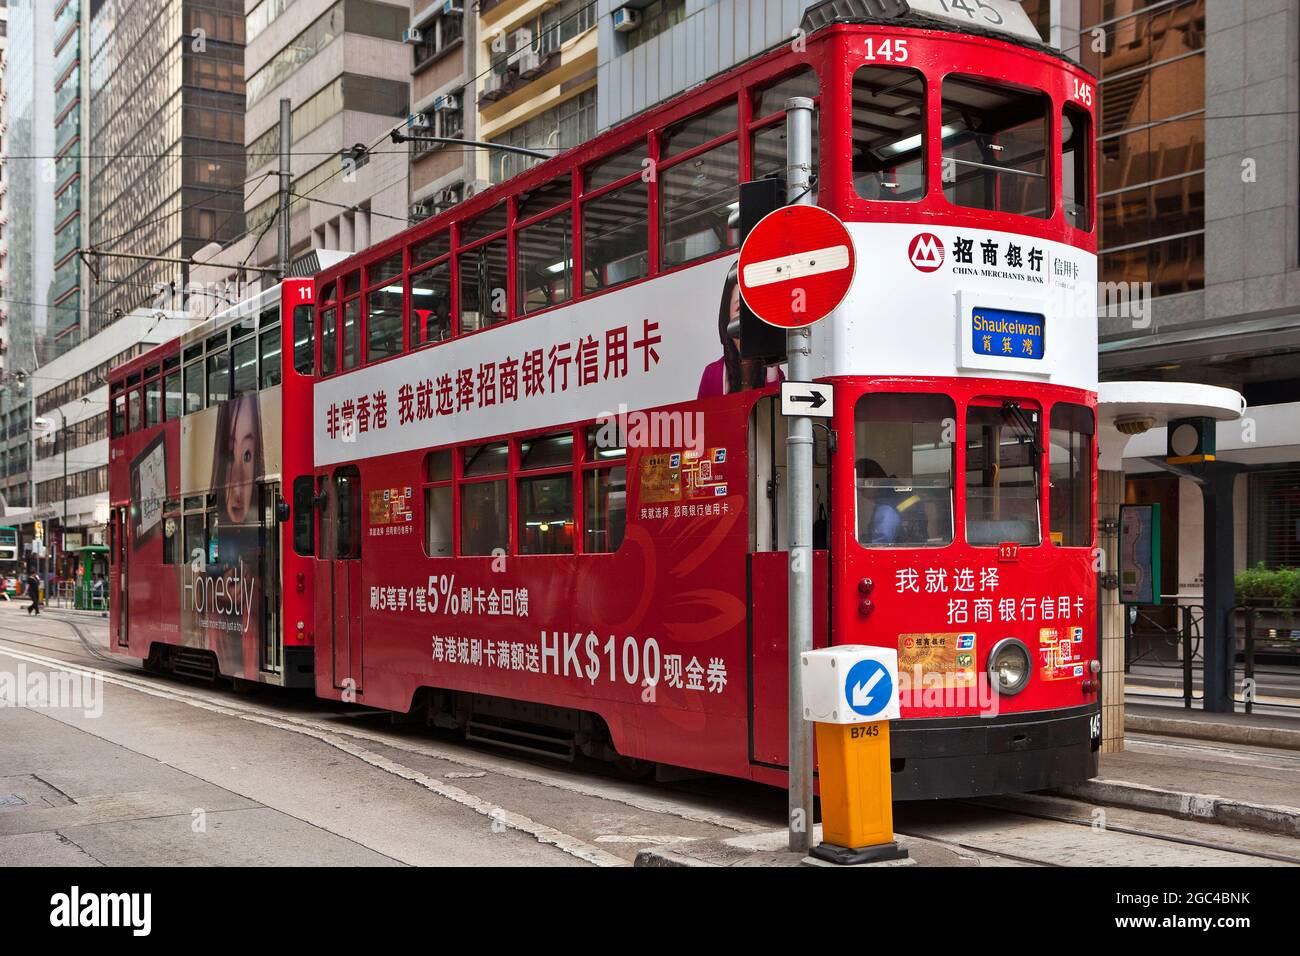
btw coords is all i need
(207, 448)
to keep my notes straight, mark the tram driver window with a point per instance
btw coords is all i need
(1003, 456)
(1070, 457)
(995, 147)
(889, 134)
(903, 458)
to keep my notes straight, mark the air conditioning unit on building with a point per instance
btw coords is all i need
(412, 35)
(419, 121)
(493, 85)
(523, 39)
(530, 64)
(452, 9)
(476, 187)
(626, 19)
(447, 102)
(420, 210)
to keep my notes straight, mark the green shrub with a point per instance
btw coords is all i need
(1279, 585)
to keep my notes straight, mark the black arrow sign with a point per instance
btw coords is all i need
(816, 399)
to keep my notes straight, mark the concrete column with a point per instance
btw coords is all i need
(1110, 495)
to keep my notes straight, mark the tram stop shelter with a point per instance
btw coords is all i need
(1124, 411)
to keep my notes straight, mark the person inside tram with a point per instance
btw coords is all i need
(887, 515)
(731, 373)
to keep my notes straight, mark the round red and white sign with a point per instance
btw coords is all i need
(926, 252)
(796, 266)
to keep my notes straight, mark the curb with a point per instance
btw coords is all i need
(1190, 806)
(1252, 734)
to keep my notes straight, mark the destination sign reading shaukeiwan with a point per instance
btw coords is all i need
(1008, 333)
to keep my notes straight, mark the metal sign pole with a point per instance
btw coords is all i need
(799, 502)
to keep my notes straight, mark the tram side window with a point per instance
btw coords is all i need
(195, 537)
(889, 134)
(152, 403)
(172, 533)
(243, 355)
(218, 377)
(173, 398)
(119, 415)
(767, 149)
(995, 147)
(1070, 458)
(304, 526)
(351, 333)
(545, 501)
(384, 310)
(483, 279)
(133, 410)
(903, 462)
(438, 504)
(544, 263)
(604, 493)
(328, 342)
(614, 237)
(194, 386)
(304, 321)
(269, 351)
(484, 505)
(1076, 135)
(696, 198)
(1003, 457)
(429, 319)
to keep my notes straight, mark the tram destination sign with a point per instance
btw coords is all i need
(796, 266)
(1004, 16)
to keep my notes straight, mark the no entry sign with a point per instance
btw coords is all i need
(796, 265)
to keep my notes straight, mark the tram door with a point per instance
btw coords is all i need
(119, 532)
(769, 573)
(271, 654)
(345, 565)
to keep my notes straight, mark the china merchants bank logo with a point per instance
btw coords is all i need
(926, 252)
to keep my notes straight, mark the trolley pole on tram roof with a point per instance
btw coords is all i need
(799, 503)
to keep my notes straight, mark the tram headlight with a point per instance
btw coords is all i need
(1009, 666)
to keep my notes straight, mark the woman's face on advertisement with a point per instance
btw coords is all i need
(243, 456)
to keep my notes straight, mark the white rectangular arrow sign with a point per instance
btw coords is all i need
(813, 399)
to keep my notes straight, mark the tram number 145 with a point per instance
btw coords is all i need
(888, 49)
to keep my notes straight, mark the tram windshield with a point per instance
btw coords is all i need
(1002, 464)
(903, 469)
(889, 134)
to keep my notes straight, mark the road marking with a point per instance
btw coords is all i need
(516, 821)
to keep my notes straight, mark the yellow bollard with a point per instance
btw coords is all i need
(850, 692)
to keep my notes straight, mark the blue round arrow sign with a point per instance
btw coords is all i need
(868, 688)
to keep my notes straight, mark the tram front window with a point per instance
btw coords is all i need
(995, 148)
(1003, 456)
(903, 469)
(889, 134)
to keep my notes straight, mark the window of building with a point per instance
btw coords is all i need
(1003, 458)
(1070, 459)
(889, 141)
(1273, 516)
(995, 147)
(657, 17)
(903, 464)
(563, 126)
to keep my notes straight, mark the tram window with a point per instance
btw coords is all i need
(995, 147)
(889, 134)
(133, 410)
(172, 533)
(218, 377)
(384, 322)
(484, 517)
(546, 514)
(767, 157)
(903, 469)
(698, 130)
(269, 357)
(486, 459)
(483, 286)
(544, 263)
(304, 526)
(697, 199)
(384, 270)
(771, 98)
(193, 386)
(1003, 458)
(614, 234)
(430, 249)
(1076, 135)
(1070, 459)
(347, 499)
(351, 334)
(304, 320)
(480, 227)
(173, 397)
(152, 403)
(437, 466)
(604, 497)
(546, 451)
(243, 359)
(195, 537)
(430, 315)
(616, 167)
(119, 416)
(437, 521)
(329, 341)
(546, 196)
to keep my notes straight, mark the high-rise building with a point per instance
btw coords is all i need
(166, 154)
(346, 73)
(442, 42)
(66, 315)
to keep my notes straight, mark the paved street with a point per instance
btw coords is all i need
(162, 771)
